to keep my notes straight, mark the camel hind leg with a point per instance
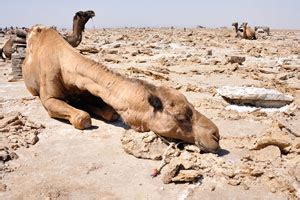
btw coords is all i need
(95, 105)
(106, 112)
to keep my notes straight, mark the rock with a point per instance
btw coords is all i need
(269, 153)
(292, 128)
(111, 60)
(3, 187)
(113, 51)
(143, 145)
(88, 50)
(116, 45)
(270, 141)
(295, 171)
(170, 171)
(234, 182)
(255, 96)
(209, 52)
(4, 155)
(187, 176)
(236, 59)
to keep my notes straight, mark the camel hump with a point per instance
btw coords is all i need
(37, 29)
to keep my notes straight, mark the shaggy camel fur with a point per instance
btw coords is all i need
(79, 21)
(248, 32)
(7, 50)
(63, 78)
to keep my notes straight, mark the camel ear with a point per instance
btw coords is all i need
(155, 102)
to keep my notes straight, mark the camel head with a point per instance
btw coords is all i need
(235, 24)
(173, 116)
(83, 17)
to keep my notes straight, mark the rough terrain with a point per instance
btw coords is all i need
(260, 157)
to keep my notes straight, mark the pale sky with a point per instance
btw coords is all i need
(153, 13)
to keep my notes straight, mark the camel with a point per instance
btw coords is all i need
(264, 28)
(71, 87)
(79, 21)
(7, 50)
(236, 27)
(248, 32)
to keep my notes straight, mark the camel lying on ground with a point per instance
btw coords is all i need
(236, 28)
(7, 50)
(264, 28)
(248, 32)
(63, 79)
(79, 21)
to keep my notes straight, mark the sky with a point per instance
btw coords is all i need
(284, 14)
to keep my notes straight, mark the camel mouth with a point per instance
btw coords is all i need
(205, 149)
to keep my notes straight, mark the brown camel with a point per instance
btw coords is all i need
(79, 21)
(248, 32)
(7, 50)
(63, 78)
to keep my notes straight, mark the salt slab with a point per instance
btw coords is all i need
(261, 97)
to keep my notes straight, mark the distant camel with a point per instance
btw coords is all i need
(7, 50)
(79, 21)
(264, 28)
(248, 32)
(237, 30)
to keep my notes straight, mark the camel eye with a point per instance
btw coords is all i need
(189, 113)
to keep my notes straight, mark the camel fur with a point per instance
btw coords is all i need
(72, 87)
(248, 32)
(79, 21)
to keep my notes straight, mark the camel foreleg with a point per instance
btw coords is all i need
(59, 109)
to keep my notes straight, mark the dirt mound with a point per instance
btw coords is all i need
(272, 159)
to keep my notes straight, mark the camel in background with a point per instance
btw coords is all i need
(7, 50)
(248, 32)
(79, 21)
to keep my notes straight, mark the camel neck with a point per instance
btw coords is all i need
(77, 28)
(115, 89)
(236, 29)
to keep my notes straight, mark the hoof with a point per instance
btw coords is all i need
(82, 121)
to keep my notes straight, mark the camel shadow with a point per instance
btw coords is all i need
(93, 127)
(120, 123)
(223, 152)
